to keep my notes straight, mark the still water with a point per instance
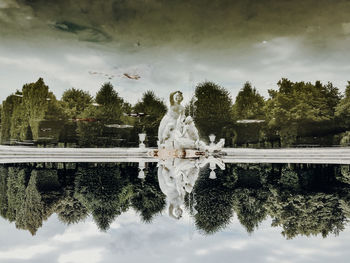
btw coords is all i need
(103, 212)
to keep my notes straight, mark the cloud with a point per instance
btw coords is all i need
(30, 63)
(166, 240)
(94, 255)
(26, 252)
(78, 233)
(85, 60)
(227, 245)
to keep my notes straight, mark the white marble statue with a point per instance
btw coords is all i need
(186, 134)
(176, 130)
(170, 120)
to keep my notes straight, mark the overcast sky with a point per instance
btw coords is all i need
(172, 45)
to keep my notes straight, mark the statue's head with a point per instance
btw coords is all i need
(176, 98)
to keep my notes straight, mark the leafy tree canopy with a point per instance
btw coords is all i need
(212, 108)
(301, 102)
(76, 100)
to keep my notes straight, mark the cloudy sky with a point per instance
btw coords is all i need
(166, 240)
(172, 45)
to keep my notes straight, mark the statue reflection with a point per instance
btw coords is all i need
(178, 176)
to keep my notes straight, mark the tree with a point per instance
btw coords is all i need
(111, 105)
(109, 110)
(154, 110)
(76, 101)
(249, 104)
(7, 110)
(212, 109)
(295, 106)
(42, 106)
(35, 101)
(342, 110)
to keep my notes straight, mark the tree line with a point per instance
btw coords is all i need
(295, 113)
(300, 199)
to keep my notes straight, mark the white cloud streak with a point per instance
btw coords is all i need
(26, 252)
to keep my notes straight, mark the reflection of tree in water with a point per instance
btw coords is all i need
(308, 203)
(31, 212)
(213, 200)
(304, 203)
(147, 199)
(30, 193)
(16, 186)
(301, 199)
(249, 207)
(70, 210)
(311, 214)
(99, 189)
(3, 191)
(30, 199)
(249, 198)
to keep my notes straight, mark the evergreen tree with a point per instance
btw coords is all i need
(111, 104)
(249, 104)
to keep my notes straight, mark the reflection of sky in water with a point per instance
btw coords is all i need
(172, 45)
(165, 240)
